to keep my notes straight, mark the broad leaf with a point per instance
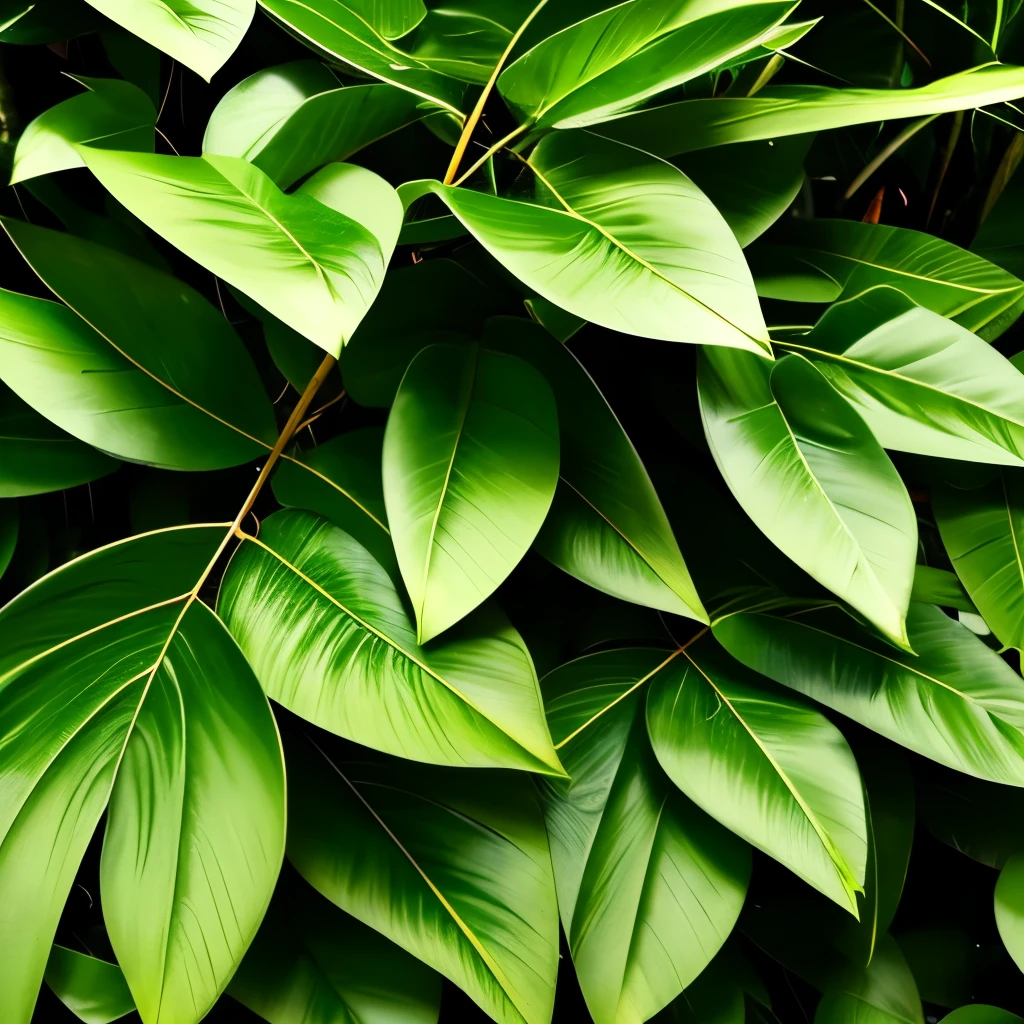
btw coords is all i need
(607, 526)
(807, 470)
(620, 239)
(111, 114)
(470, 468)
(315, 258)
(201, 34)
(291, 119)
(1009, 905)
(954, 701)
(453, 866)
(459, 41)
(349, 661)
(93, 990)
(771, 769)
(649, 887)
(116, 682)
(612, 62)
(980, 1013)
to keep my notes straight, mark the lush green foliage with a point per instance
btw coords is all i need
(506, 499)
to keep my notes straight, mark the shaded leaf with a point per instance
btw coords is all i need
(1009, 903)
(93, 990)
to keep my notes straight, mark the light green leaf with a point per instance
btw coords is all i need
(290, 119)
(349, 661)
(771, 769)
(112, 114)
(470, 468)
(453, 866)
(620, 239)
(613, 61)
(315, 258)
(201, 34)
(954, 701)
(93, 990)
(806, 469)
(649, 887)
(607, 526)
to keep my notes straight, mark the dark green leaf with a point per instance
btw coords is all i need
(93, 990)
(1010, 907)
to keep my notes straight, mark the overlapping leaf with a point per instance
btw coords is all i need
(93, 990)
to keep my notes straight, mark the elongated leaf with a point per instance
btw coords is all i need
(315, 258)
(795, 109)
(94, 990)
(649, 887)
(470, 468)
(806, 469)
(612, 62)
(291, 119)
(453, 866)
(769, 768)
(111, 114)
(201, 34)
(349, 661)
(115, 681)
(954, 701)
(825, 260)
(620, 239)
(607, 526)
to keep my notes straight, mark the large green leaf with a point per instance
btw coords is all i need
(955, 701)
(313, 964)
(796, 109)
(826, 260)
(649, 887)
(116, 682)
(93, 990)
(620, 239)
(315, 258)
(470, 468)
(348, 660)
(607, 526)
(201, 34)
(902, 367)
(613, 61)
(807, 470)
(770, 768)
(290, 119)
(111, 114)
(451, 865)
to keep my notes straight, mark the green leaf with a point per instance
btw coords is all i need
(617, 238)
(555, 320)
(649, 887)
(315, 258)
(614, 61)
(937, 586)
(980, 1013)
(313, 964)
(354, 33)
(36, 456)
(8, 533)
(779, 110)
(291, 119)
(955, 701)
(112, 114)
(828, 260)
(470, 468)
(462, 43)
(714, 998)
(93, 990)
(771, 769)
(451, 865)
(201, 34)
(807, 470)
(349, 661)
(607, 526)
(116, 682)
(1009, 904)
(27, 23)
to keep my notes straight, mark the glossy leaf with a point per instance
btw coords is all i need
(112, 114)
(291, 119)
(649, 887)
(8, 533)
(201, 34)
(1009, 904)
(315, 258)
(453, 866)
(619, 239)
(470, 468)
(807, 470)
(954, 700)
(980, 1013)
(93, 990)
(349, 661)
(459, 41)
(771, 769)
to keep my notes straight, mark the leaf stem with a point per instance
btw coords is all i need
(500, 144)
(907, 133)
